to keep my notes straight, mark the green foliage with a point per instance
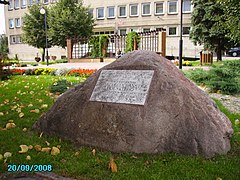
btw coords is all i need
(209, 27)
(231, 11)
(34, 64)
(60, 86)
(3, 46)
(29, 72)
(34, 28)
(98, 45)
(131, 37)
(103, 44)
(233, 117)
(49, 62)
(94, 45)
(69, 18)
(198, 75)
(61, 61)
(5, 74)
(225, 77)
(11, 61)
(23, 65)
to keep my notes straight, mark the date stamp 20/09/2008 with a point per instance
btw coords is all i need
(30, 167)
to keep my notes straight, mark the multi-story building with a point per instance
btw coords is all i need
(119, 16)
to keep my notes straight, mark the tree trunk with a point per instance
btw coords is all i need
(43, 55)
(219, 54)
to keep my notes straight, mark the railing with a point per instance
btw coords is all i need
(153, 41)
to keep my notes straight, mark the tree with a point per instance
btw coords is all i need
(69, 18)
(3, 46)
(4, 2)
(231, 11)
(34, 29)
(209, 26)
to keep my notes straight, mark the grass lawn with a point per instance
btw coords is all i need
(22, 94)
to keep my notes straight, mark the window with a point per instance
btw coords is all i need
(37, 1)
(172, 7)
(172, 31)
(122, 11)
(16, 4)
(146, 9)
(111, 12)
(159, 8)
(100, 13)
(15, 39)
(122, 31)
(186, 6)
(10, 6)
(45, 1)
(17, 22)
(11, 24)
(30, 2)
(23, 3)
(133, 9)
(12, 40)
(186, 31)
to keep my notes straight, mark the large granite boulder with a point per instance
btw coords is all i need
(176, 116)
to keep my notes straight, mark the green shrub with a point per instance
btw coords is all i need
(49, 62)
(34, 64)
(224, 77)
(131, 37)
(23, 65)
(60, 86)
(62, 61)
(225, 87)
(6, 73)
(29, 72)
(198, 75)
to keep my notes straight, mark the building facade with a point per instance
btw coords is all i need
(119, 16)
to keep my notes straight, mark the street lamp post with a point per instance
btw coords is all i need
(181, 40)
(43, 12)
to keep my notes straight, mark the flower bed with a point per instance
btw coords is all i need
(82, 72)
(18, 71)
(50, 71)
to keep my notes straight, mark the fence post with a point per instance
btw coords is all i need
(135, 44)
(162, 43)
(69, 49)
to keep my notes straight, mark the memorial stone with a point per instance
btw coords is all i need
(140, 103)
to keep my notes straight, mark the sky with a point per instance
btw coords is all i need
(2, 19)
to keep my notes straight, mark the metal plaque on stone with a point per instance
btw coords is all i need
(122, 86)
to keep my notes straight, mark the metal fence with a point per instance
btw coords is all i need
(117, 43)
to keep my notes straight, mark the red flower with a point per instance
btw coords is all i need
(18, 71)
(82, 72)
